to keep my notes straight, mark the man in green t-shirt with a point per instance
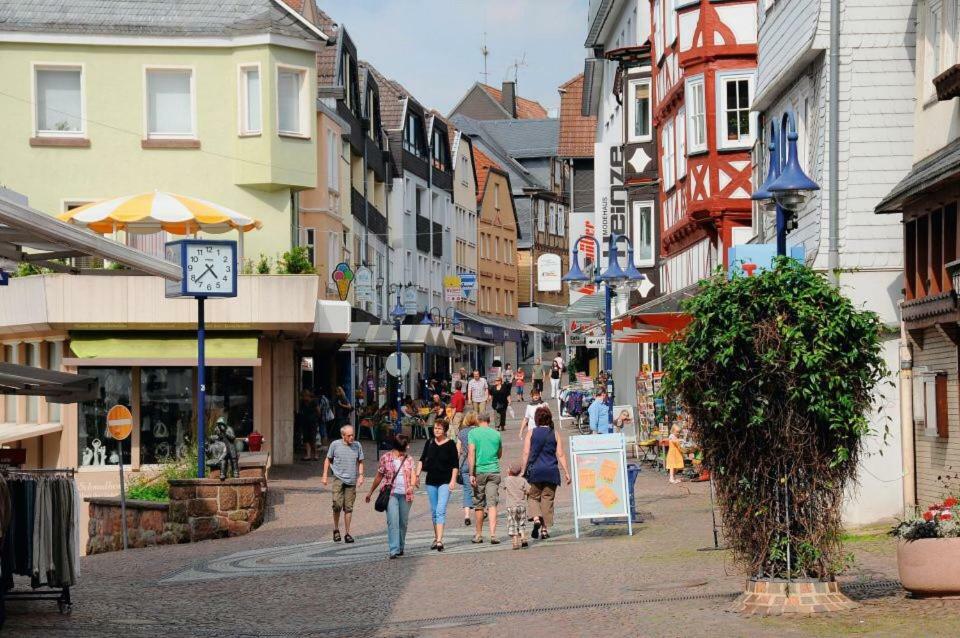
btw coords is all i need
(485, 449)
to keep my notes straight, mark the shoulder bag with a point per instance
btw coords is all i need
(383, 498)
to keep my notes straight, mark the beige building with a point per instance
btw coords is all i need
(465, 211)
(927, 200)
(497, 240)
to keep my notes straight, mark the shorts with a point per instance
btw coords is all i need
(343, 496)
(516, 520)
(487, 491)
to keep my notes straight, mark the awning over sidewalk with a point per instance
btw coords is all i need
(470, 341)
(413, 338)
(586, 307)
(57, 387)
(161, 348)
(20, 431)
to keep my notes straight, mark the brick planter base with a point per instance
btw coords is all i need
(778, 597)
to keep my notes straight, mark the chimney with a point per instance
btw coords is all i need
(509, 98)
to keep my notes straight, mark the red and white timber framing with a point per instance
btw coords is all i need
(709, 193)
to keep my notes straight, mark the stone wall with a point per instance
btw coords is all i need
(199, 509)
(211, 508)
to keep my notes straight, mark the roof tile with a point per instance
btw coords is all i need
(577, 132)
(526, 109)
(482, 164)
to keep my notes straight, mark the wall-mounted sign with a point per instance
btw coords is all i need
(576, 339)
(468, 282)
(410, 300)
(363, 282)
(342, 277)
(583, 224)
(452, 288)
(596, 342)
(548, 272)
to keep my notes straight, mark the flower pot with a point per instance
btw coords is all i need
(930, 567)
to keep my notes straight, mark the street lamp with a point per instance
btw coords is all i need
(786, 188)
(397, 314)
(613, 276)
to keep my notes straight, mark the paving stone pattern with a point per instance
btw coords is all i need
(288, 578)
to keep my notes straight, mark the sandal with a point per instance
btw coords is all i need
(336, 536)
(536, 529)
(440, 546)
(544, 535)
(434, 546)
(494, 540)
(466, 522)
(347, 538)
(477, 539)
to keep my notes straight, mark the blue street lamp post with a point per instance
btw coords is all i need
(398, 313)
(612, 276)
(784, 189)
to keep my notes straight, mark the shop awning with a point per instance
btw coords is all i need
(57, 387)
(470, 341)
(586, 307)
(169, 349)
(384, 337)
(497, 322)
(10, 432)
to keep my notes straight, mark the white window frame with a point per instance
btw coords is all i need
(308, 239)
(305, 110)
(243, 99)
(721, 102)
(693, 145)
(147, 69)
(681, 140)
(658, 28)
(670, 17)
(933, 48)
(667, 173)
(561, 220)
(632, 111)
(333, 160)
(59, 66)
(541, 216)
(636, 208)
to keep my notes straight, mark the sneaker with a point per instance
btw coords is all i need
(477, 540)
(536, 530)
(524, 544)
(494, 540)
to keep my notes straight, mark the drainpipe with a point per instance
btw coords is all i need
(833, 255)
(909, 459)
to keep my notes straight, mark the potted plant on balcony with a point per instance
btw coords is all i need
(777, 373)
(928, 551)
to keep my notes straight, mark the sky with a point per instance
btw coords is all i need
(433, 47)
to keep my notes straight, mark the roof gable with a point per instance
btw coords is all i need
(577, 132)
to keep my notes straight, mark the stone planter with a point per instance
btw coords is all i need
(930, 567)
(147, 525)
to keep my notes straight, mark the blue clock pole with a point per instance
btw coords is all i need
(201, 383)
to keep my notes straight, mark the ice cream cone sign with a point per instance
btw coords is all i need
(343, 277)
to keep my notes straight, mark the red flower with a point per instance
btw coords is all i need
(935, 507)
(950, 502)
(928, 516)
(945, 515)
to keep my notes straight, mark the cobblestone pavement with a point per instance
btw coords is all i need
(289, 579)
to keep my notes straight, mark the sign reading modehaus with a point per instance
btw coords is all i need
(548, 272)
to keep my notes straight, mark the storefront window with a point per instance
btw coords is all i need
(96, 447)
(167, 428)
(230, 393)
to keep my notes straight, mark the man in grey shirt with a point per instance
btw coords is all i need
(346, 457)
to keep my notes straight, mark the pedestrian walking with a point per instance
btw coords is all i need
(599, 413)
(485, 450)
(441, 463)
(515, 490)
(342, 408)
(555, 370)
(328, 420)
(674, 453)
(529, 421)
(543, 458)
(478, 391)
(538, 373)
(508, 374)
(463, 448)
(345, 457)
(500, 401)
(518, 382)
(396, 472)
(307, 421)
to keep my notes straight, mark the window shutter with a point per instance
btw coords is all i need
(943, 424)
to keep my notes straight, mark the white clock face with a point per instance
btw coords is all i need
(209, 269)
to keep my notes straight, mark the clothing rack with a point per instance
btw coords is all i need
(59, 594)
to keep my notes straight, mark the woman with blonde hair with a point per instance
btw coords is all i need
(463, 477)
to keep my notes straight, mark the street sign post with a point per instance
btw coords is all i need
(120, 425)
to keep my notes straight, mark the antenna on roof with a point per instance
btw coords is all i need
(485, 52)
(516, 66)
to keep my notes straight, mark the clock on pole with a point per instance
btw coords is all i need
(209, 271)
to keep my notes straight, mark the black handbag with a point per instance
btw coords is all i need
(383, 498)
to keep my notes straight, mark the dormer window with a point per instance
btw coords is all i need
(441, 159)
(413, 136)
(347, 80)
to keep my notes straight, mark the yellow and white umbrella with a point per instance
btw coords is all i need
(152, 212)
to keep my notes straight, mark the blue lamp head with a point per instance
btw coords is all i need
(426, 321)
(632, 273)
(398, 312)
(613, 272)
(575, 273)
(791, 188)
(763, 193)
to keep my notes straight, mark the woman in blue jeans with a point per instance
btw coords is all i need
(439, 460)
(397, 473)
